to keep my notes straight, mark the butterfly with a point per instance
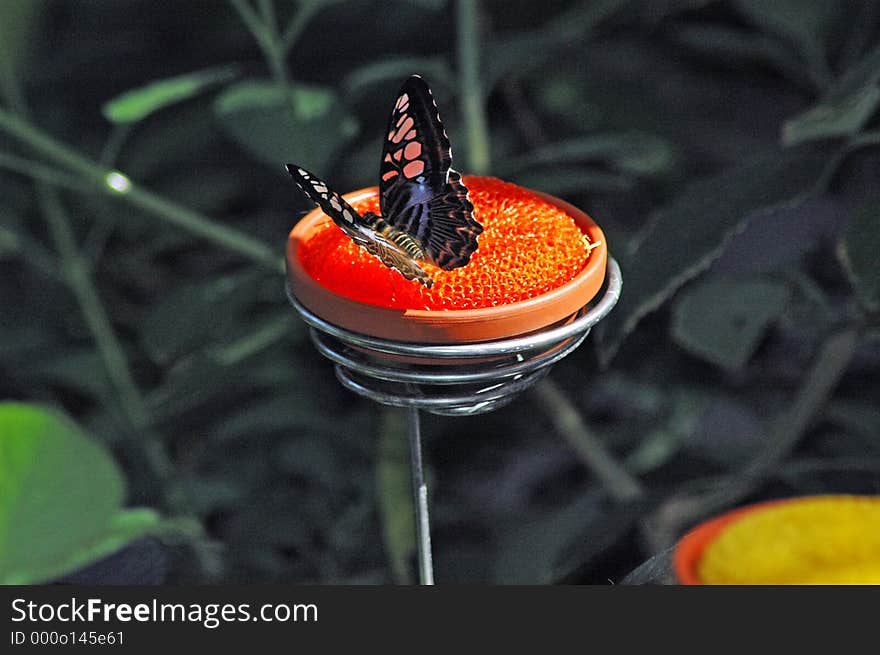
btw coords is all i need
(426, 214)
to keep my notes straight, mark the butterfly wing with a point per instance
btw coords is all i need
(330, 202)
(359, 228)
(418, 190)
(393, 257)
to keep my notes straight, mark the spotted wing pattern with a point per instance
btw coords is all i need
(361, 229)
(420, 194)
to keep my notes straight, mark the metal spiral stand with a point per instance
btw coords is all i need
(450, 379)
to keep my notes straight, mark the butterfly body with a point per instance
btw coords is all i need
(425, 210)
(410, 245)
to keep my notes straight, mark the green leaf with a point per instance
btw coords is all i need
(520, 52)
(728, 433)
(136, 104)
(738, 48)
(566, 180)
(211, 191)
(80, 369)
(306, 126)
(544, 549)
(394, 487)
(824, 121)
(291, 412)
(183, 387)
(124, 527)
(265, 334)
(193, 315)
(804, 24)
(394, 69)
(844, 110)
(685, 237)
(429, 4)
(685, 407)
(629, 152)
(864, 73)
(19, 20)
(61, 497)
(10, 243)
(858, 252)
(722, 319)
(860, 416)
(655, 571)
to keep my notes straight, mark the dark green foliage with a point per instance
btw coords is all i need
(723, 320)
(859, 248)
(727, 147)
(49, 469)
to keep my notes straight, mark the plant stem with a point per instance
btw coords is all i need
(77, 273)
(264, 29)
(113, 146)
(395, 500)
(204, 227)
(472, 100)
(819, 384)
(78, 276)
(871, 138)
(267, 334)
(277, 54)
(46, 145)
(821, 380)
(296, 26)
(267, 12)
(39, 172)
(100, 178)
(252, 21)
(31, 252)
(569, 423)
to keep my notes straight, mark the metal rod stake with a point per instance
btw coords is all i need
(420, 493)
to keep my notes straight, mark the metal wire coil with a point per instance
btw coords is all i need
(479, 377)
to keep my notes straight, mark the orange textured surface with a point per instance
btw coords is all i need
(528, 247)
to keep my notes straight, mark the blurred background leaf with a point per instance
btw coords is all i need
(728, 149)
(807, 26)
(137, 104)
(276, 125)
(698, 225)
(722, 320)
(859, 254)
(395, 495)
(845, 108)
(48, 466)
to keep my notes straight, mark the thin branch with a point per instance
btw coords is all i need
(266, 335)
(39, 172)
(819, 384)
(251, 20)
(31, 252)
(116, 184)
(265, 31)
(114, 143)
(297, 25)
(76, 272)
(569, 423)
(472, 98)
(523, 117)
(870, 138)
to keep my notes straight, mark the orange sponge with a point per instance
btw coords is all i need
(528, 247)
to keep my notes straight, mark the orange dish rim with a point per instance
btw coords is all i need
(446, 325)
